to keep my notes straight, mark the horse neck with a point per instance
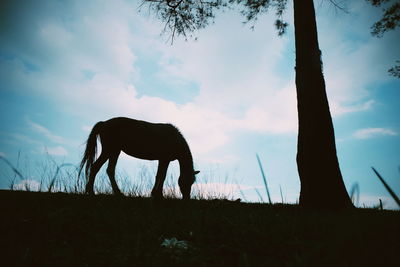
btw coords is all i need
(186, 162)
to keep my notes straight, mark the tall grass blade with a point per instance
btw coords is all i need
(259, 195)
(394, 196)
(62, 166)
(355, 194)
(264, 179)
(54, 179)
(12, 167)
(51, 185)
(280, 190)
(241, 192)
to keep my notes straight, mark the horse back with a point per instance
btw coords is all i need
(141, 139)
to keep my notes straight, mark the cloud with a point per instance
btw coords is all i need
(86, 128)
(373, 132)
(28, 185)
(277, 114)
(55, 151)
(89, 60)
(46, 132)
(23, 138)
(232, 73)
(354, 61)
(338, 108)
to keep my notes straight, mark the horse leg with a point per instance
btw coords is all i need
(94, 170)
(160, 178)
(111, 172)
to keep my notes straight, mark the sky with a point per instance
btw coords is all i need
(65, 65)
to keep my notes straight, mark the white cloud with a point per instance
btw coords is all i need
(55, 151)
(354, 61)
(23, 138)
(236, 70)
(46, 132)
(231, 72)
(373, 132)
(338, 108)
(276, 114)
(55, 36)
(29, 185)
(86, 128)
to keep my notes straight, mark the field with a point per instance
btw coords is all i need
(60, 229)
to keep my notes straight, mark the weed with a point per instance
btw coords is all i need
(264, 178)
(391, 192)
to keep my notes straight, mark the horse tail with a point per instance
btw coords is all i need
(90, 151)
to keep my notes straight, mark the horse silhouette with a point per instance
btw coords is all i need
(143, 140)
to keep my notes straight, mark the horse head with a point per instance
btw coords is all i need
(185, 183)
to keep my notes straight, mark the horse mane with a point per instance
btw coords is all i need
(185, 150)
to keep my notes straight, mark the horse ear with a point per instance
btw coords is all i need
(196, 172)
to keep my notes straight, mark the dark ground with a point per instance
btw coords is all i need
(58, 229)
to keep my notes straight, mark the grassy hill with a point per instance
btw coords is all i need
(58, 229)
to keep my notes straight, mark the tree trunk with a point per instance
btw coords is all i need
(321, 180)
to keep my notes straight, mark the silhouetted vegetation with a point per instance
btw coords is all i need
(317, 161)
(264, 180)
(390, 19)
(74, 229)
(387, 187)
(58, 229)
(389, 22)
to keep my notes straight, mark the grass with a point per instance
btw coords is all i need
(53, 177)
(387, 187)
(63, 177)
(60, 226)
(59, 229)
(264, 179)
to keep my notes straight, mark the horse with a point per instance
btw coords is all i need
(139, 139)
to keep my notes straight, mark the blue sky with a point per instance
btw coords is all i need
(64, 65)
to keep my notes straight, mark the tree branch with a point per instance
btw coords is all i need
(339, 6)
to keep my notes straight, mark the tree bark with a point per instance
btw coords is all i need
(322, 184)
